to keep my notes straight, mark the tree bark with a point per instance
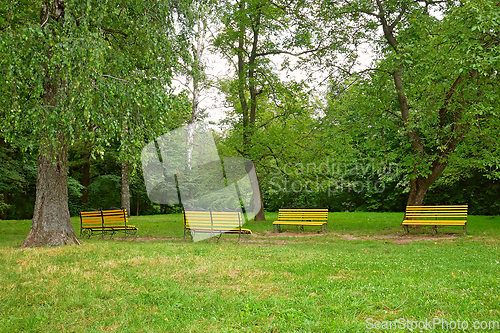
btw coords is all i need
(258, 204)
(125, 188)
(418, 188)
(260, 215)
(249, 112)
(51, 225)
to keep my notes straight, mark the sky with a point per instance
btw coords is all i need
(212, 100)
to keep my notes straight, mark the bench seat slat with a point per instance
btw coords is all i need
(301, 215)
(298, 210)
(302, 218)
(216, 229)
(318, 224)
(215, 226)
(444, 212)
(434, 222)
(435, 215)
(439, 206)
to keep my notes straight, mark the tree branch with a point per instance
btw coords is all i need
(319, 48)
(109, 30)
(398, 19)
(369, 13)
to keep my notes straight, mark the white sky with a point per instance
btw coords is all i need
(217, 67)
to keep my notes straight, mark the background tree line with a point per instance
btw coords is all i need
(84, 86)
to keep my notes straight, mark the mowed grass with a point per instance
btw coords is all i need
(266, 284)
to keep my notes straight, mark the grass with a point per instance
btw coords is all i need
(270, 284)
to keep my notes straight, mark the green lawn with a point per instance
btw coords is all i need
(268, 284)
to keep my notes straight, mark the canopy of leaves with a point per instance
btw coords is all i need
(109, 64)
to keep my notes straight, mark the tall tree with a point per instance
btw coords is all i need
(191, 71)
(69, 63)
(436, 78)
(253, 32)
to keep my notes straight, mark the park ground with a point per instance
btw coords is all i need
(360, 272)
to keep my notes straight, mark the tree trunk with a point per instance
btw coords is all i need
(420, 185)
(418, 188)
(249, 112)
(51, 225)
(260, 216)
(125, 188)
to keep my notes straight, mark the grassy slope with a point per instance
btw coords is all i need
(310, 284)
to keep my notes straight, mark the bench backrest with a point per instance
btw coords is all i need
(435, 212)
(303, 214)
(212, 220)
(104, 218)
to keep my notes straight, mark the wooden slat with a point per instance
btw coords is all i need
(317, 224)
(429, 222)
(305, 218)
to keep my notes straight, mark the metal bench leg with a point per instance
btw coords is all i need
(435, 230)
(218, 238)
(406, 230)
(465, 229)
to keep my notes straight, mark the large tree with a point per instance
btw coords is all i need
(254, 33)
(67, 64)
(435, 84)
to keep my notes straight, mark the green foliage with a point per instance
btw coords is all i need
(105, 192)
(102, 66)
(74, 196)
(17, 180)
(476, 190)
(3, 205)
(430, 102)
(98, 78)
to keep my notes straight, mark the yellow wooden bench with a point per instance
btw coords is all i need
(105, 222)
(214, 223)
(455, 215)
(302, 217)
